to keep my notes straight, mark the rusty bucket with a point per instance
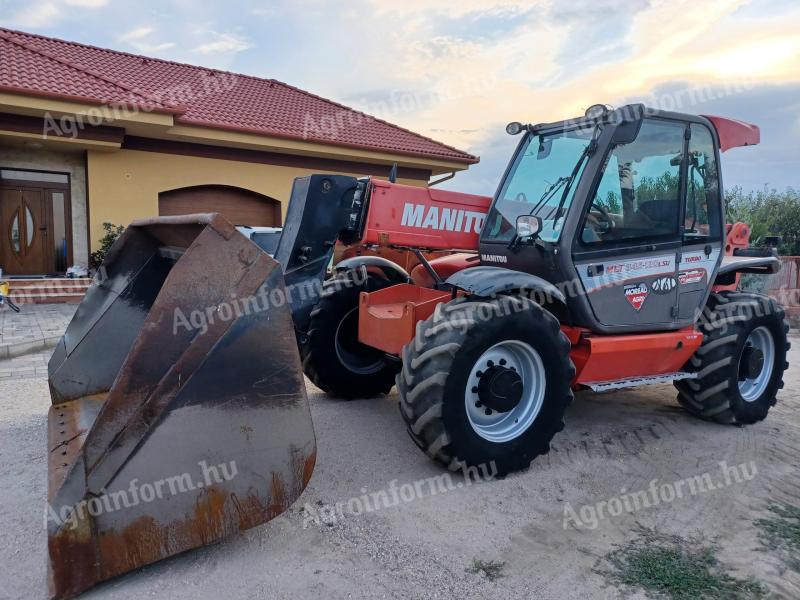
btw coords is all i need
(179, 413)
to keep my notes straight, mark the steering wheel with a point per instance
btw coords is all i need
(521, 197)
(606, 222)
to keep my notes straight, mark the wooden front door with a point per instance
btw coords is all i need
(24, 231)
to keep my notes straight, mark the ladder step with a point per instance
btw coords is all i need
(618, 384)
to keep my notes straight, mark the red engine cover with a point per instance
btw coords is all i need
(418, 217)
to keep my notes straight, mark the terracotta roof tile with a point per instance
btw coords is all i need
(199, 96)
(26, 70)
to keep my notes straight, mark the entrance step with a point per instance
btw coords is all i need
(604, 386)
(48, 291)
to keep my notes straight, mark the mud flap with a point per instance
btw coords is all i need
(179, 410)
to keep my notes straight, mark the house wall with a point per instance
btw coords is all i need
(64, 162)
(124, 185)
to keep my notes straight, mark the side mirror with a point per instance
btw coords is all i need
(626, 132)
(528, 226)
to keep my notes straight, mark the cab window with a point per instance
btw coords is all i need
(638, 197)
(703, 216)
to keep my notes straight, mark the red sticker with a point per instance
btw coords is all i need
(637, 294)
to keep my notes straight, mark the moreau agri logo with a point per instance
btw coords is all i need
(637, 294)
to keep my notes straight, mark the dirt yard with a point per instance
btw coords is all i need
(429, 547)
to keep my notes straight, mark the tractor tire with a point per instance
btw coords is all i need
(469, 352)
(333, 358)
(741, 362)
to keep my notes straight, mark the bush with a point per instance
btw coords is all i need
(769, 213)
(112, 233)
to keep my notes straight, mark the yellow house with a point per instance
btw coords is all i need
(89, 135)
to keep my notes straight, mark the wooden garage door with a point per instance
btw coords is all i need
(239, 206)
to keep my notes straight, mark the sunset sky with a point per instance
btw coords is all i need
(459, 71)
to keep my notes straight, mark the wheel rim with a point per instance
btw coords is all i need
(497, 426)
(355, 356)
(759, 347)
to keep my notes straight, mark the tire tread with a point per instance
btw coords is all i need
(427, 362)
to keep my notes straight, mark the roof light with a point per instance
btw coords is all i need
(514, 128)
(596, 111)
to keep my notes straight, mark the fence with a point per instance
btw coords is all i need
(784, 286)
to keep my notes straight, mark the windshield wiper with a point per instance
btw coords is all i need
(549, 193)
(588, 151)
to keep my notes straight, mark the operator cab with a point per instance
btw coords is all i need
(621, 210)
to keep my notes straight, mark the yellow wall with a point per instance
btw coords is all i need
(124, 185)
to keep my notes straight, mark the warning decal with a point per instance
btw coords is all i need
(691, 276)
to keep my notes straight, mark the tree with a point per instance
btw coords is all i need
(768, 212)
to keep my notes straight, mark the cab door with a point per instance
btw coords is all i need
(628, 247)
(702, 238)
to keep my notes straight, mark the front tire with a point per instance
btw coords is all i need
(741, 362)
(486, 383)
(333, 358)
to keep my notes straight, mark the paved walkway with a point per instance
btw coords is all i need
(33, 328)
(28, 366)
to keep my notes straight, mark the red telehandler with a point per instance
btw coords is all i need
(602, 262)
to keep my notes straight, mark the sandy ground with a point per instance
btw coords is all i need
(424, 548)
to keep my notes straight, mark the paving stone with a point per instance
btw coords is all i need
(23, 332)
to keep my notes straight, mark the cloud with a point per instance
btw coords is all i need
(223, 43)
(463, 8)
(145, 48)
(136, 34)
(86, 3)
(139, 38)
(48, 13)
(496, 150)
(459, 73)
(763, 57)
(774, 108)
(41, 14)
(266, 12)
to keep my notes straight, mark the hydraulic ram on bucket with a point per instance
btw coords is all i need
(179, 409)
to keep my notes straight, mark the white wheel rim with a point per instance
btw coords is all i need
(751, 389)
(502, 427)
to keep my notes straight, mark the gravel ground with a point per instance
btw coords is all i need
(424, 548)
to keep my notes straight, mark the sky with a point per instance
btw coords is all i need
(459, 71)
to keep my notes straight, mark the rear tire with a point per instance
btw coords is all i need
(741, 362)
(445, 370)
(333, 358)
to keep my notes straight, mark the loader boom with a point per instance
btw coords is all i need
(326, 209)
